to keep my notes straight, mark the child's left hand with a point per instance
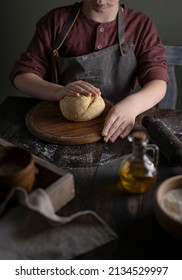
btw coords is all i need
(119, 121)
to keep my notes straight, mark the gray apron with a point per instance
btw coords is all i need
(112, 70)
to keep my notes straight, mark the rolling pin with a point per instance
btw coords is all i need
(169, 145)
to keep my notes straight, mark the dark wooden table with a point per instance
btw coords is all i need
(96, 173)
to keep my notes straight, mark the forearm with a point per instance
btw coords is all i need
(35, 86)
(150, 95)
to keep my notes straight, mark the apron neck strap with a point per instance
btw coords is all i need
(67, 26)
(71, 20)
(121, 33)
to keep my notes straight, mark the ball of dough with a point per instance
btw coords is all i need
(81, 108)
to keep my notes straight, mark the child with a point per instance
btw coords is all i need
(96, 47)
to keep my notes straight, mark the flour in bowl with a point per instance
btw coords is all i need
(172, 203)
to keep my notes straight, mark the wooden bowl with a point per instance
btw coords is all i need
(17, 169)
(168, 206)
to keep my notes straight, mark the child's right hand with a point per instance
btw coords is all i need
(80, 87)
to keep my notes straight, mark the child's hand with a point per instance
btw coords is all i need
(81, 88)
(119, 121)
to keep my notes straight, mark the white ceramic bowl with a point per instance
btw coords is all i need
(168, 206)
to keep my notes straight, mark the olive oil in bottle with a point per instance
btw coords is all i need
(138, 171)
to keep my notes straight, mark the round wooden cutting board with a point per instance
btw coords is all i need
(46, 122)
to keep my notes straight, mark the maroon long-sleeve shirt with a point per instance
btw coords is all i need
(88, 36)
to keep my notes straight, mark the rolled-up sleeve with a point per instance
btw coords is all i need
(37, 57)
(151, 60)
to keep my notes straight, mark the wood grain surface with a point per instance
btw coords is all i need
(95, 168)
(46, 122)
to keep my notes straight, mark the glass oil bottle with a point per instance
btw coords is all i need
(138, 170)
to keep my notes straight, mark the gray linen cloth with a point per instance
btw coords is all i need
(31, 230)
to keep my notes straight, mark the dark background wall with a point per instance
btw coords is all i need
(17, 24)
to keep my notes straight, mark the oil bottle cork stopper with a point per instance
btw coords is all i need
(139, 137)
